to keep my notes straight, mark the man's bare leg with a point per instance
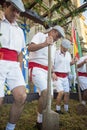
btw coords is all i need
(19, 94)
(66, 101)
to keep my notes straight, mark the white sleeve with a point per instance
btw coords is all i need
(37, 38)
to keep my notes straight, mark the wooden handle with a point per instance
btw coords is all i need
(49, 80)
(49, 67)
(79, 91)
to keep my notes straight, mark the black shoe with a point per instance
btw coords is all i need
(59, 112)
(38, 126)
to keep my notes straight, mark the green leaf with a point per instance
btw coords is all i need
(39, 1)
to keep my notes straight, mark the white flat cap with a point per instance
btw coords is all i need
(60, 30)
(66, 43)
(18, 4)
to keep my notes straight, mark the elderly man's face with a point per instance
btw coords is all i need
(63, 49)
(55, 35)
(11, 13)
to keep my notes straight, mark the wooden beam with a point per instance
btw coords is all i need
(32, 4)
(71, 13)
(35, 17)
(38, 19)
(56, 6)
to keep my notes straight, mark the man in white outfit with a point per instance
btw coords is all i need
(38, 63)
(82, 77)
(61, 70)
(12, 41)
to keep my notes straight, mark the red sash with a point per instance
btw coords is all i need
(62, 75)
(82, 74)
(31, 65)
(7, 54)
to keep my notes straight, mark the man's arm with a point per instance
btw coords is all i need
(82, 63)
(73, 61)
(35, 47)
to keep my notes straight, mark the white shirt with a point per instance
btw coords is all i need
(12, 36)
(83, 68)
(41, 56)
(62, 62)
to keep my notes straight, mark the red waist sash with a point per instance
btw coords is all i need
(31, 65)
(7, 54)
(82, 74)
(62, 75)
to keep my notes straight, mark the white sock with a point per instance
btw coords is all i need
(39, 118)
(83, 102)
(10, 126)
(66, 107)
(58, 108)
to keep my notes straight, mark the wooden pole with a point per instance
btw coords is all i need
(79, 91)
(49, 67)
(50, 118)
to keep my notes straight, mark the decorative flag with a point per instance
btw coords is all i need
(75, 45)
(77, 51)
(79, 46)
(75, 54)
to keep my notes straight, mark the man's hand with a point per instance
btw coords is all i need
(74, 60)
(49, 40)
(54, 77)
